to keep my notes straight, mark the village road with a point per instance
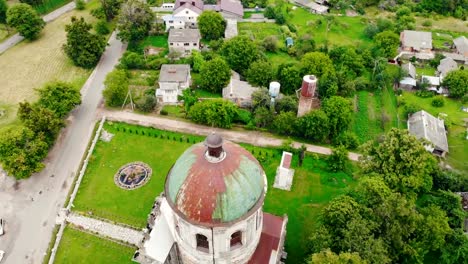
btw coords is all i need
(15, 39)
(30, 206)
(250, 137)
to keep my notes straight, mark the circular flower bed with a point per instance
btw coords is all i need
(132, 175)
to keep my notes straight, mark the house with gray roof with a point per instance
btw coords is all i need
(461, 45)
(409, 81)
(312, 6)
(239, 92)
(425, 126)
(446, 65)
(173, 79)
(416, 41)
(184, 40)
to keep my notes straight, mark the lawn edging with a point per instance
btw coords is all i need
(75, 190)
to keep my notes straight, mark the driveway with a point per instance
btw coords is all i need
(250, 137)
(31, 206)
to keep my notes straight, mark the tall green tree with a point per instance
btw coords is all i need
(260, 73)
(25, 20)
(111, 8)
(83, 47)
(317, 63)
(290, 77)
(21, 151)
(457, 83)
(329, 257)
(217, 112)
(134, 21)
(240, 52)
(59, 97)
(40, 120)
(116, 90)
(401, 160)
(314, 125)
(387, 43)
(284, 123)
(211, 25)
(338, 160)
(3, 11)
(215, 75)
(339, 111)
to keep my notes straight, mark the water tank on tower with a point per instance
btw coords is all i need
(309, 86)
(274, 89)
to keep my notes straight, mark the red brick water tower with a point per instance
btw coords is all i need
(308, 98)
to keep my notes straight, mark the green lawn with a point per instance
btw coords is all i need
(367, 123)
(50, 5)
(175, 110)
(458, 145)
(80, 247)
(313, 185)
(155, 41)
(206, 94)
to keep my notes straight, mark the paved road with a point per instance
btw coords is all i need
(15, 39)
(251, 137)
(31, 207)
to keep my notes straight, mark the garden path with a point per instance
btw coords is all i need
(15, 39)
(251, 137)
(106, 229)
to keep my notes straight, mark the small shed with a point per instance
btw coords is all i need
(424, 125)
(446, 65)
(289, 42)
(239, 92)
(284, 173)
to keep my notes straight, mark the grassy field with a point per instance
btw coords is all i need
(458, 146)
(80, 247)
(30, 65)
(313, 185)
(174, 110)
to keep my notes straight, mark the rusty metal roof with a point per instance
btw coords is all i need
(214, 193)
(268, 249)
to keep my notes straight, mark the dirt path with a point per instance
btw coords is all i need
(250, 137)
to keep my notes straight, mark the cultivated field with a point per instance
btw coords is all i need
(29, 65)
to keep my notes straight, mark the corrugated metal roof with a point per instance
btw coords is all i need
(213, 193)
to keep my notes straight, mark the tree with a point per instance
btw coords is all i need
(25, 20)
(134, 21)
(401, 160)
(3, 11)
(59, 97)
(240, 52)
(189, 98)
(284, 123)
(116, 90)
(338, 159)
(215, 75)
(83, 47)
(216, 112)
(314, 125)
(263, 117)
(339, 111)
(211, 25)
(147, 103)
(346, 58)
(329, 257)
(327, 86)
(270, 43)
(111, 8)
(32, 2)
(198, 60)
(40, 120)
(287, 103)
(21, 151)
(387, 43)
(317, 63)
(290, 77)
(260, 73)
(457, 83)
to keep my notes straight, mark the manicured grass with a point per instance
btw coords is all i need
(313, 185)
(175, 110)
(207, 94)
(458, 145)
(80, 247)
(159, 41)
(278, 58)
(29, 65)
(50, 5)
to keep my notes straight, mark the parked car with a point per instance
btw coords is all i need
(2, 226)
(1, 255)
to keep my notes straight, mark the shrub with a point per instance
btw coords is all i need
(347, 139)
(338, 160)
(438, 102)
(243, 116)
(270, 43)
(427, 23)
(217, 112)
(98, 13)
(163, 112)
(101, 27)
(410, 109)
(80, 4)
(424, 94)
(147, 103)
(132, 60)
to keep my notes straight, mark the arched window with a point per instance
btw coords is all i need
(202, 243)
(236, 239)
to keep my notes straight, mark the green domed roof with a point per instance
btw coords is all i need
(215, 191)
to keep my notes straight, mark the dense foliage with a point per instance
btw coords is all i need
(40, 120)
(134, 20)
(59, 97)
(260, 73)
(216, 112)
(25, 20)
(339, 111)
(111, 8)
(457, 83)
(240, 52)
(116, 90)
(211, 25)
(215, 75)
(83, 47)
(3, 11)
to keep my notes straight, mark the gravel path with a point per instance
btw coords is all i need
(15, 39)
(106, 229)
(250, 137)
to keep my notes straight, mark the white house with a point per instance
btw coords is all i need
(185, 15)
(409, 81)
(184, 40)
(173, 79)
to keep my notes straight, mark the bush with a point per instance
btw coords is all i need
(270, 43)
(98, 13)
(101, 27)
(427, 23)
(154, 63)
(438, 102)
(338, 160)
(132, 60)
(424, 94)
(409, 110)
(216, 112)
(243, 116)
(80, 4)
(164, 112)
(347, 139)
(147, 103)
